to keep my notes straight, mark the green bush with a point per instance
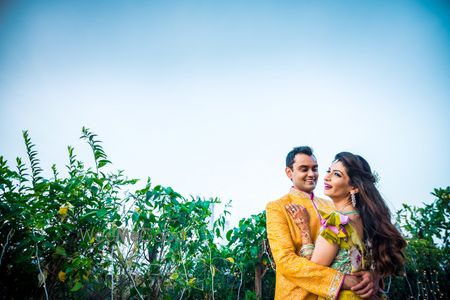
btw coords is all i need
(427, 269)
(84, 236)
(249, 248)
(45, 223)
(95, 234)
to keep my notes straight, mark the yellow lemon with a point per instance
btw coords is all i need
(63, 210)
(62, 276)
(231, 260)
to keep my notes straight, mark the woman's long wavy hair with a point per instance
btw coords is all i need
(386, 242)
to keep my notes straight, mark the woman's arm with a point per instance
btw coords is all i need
(365, 284)
(324, 252)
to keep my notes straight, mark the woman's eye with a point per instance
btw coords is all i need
(337, 174)
(328, 171)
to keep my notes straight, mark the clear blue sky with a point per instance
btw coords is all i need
(209, 96)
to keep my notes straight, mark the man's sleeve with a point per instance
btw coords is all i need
(312, 277)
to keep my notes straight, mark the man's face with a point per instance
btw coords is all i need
(304, 173)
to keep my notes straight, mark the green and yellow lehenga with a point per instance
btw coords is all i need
(351, 256)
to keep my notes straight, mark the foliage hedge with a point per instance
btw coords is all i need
(95, 234)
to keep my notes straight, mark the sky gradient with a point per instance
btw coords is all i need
(208, 97)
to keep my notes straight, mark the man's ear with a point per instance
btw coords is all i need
(288, 172)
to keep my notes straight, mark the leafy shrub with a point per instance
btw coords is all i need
(427, 267)
(96, 235)
(84, 236)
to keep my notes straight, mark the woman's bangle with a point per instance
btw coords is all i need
(308, 246)
(307, 250)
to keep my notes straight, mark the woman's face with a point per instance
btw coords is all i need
(337, 182)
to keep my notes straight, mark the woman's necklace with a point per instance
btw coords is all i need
(352, 212)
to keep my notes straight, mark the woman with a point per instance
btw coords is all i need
(359, 235)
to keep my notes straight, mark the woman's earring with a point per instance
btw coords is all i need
(353, 198)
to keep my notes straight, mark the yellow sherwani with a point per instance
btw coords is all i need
(296, 277)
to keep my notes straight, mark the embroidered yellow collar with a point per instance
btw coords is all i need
(301, 193)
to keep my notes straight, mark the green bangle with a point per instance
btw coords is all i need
(308, 246)
(307, 250)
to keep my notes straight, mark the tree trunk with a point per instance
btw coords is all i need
(258, 280)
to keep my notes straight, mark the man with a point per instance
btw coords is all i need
(297, 277)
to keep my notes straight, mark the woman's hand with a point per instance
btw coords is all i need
(300, 215)
(301, 218)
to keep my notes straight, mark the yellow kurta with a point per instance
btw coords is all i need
(296, 277)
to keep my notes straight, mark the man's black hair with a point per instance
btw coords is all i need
(291, 155)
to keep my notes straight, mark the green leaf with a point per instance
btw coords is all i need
(174, 276)
(103, 162)
(94, 189)
(191, 281)
(78, 285)
(254, 251)
(101, 213)
(91, 213)
(60, 251)
(229, 233)
(135, 216)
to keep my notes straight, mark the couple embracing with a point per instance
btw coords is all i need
(338, 249)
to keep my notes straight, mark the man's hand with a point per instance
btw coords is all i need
(369, 284)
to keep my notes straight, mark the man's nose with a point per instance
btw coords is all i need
(311, 173)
